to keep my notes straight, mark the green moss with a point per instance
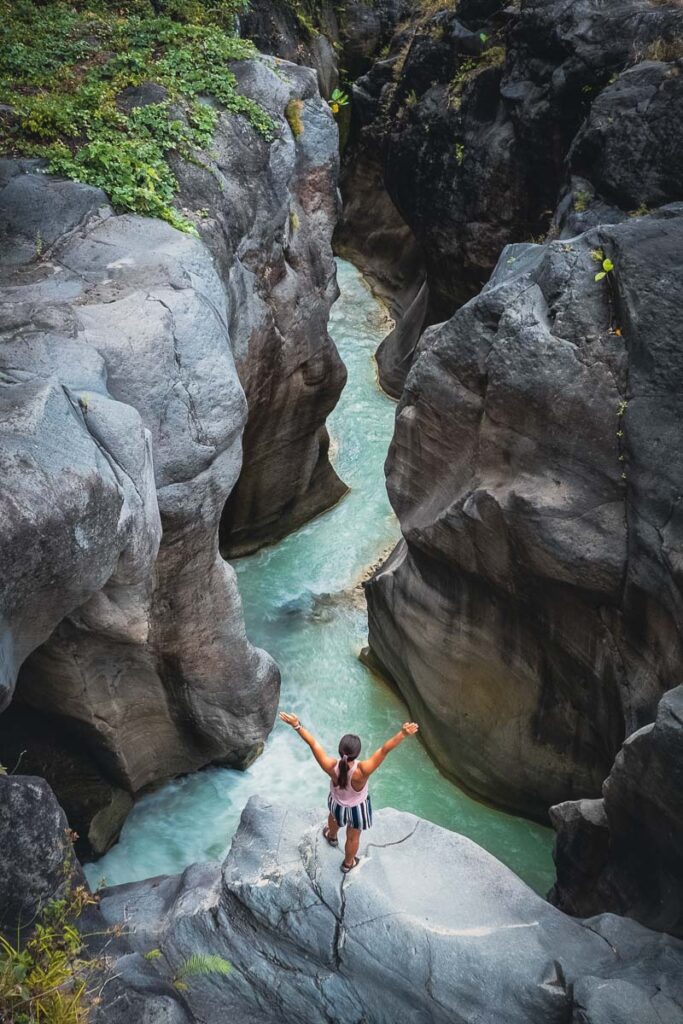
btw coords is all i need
(581, 201)
(63, 65)
(293, 112)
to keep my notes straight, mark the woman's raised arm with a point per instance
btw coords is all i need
(372, 763)
(326, 762)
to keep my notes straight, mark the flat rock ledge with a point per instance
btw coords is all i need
(428, 929)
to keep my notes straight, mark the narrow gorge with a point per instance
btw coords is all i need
(341, 362)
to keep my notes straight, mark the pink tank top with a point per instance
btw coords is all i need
(348, 797)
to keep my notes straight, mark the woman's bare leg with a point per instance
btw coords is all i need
(332, 827)
(352, 844)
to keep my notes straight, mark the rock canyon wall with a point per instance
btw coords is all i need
(531, 615)
(126, 351)
(463, 140)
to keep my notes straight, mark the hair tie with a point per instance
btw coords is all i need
(345, 757)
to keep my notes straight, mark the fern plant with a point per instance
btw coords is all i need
(200, 965)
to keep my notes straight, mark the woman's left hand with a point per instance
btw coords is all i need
(290, 719)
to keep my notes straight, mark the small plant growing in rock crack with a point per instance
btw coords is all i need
(199, 965)
(621, 410)
(581, 201)
(606, 265)
(337, 100)
(459, 150)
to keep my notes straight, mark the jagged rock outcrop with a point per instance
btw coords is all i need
(624, 853)
(532, 615)
(305, 34)
(625, 155)
(324, 34)
(468, 122)
(124, 414)
(37, 862)
(309, 945)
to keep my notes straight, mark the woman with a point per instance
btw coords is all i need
(349, 800)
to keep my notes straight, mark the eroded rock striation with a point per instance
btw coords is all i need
(125, 354)
(532, 614)
(309, 945)
(624, 853)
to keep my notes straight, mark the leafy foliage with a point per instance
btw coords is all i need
(337, 100)
(64, 65)
(606, 265)
(200, 965)
(49, 979)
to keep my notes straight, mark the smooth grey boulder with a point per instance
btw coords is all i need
(532, 615)
(429, 929)
(629, 857)
(37, 862)
(123, 413)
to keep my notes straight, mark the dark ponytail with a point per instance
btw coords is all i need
(349, 749)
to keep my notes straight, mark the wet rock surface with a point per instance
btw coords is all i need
(308, 944)
(531, 616)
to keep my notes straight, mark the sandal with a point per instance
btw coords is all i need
(328, 838)
(345, 868)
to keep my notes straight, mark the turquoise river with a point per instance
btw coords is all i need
(303, 603)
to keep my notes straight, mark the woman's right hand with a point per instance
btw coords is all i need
(409, 728)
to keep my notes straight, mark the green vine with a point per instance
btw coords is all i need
(64, 65)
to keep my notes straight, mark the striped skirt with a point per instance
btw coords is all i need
(359, 816)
